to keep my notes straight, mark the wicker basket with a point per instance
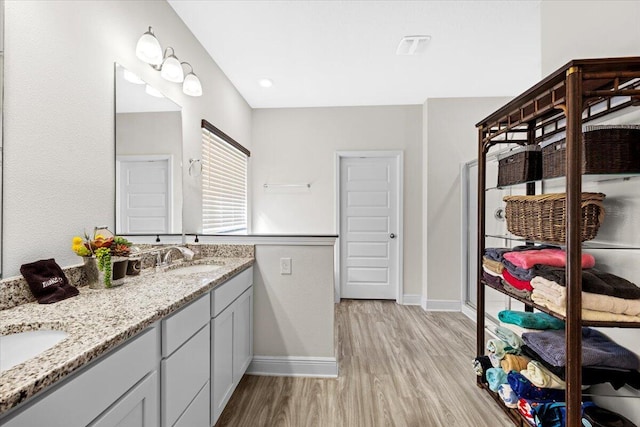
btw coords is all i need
(606, 150)
(543, 217)
(521, 166)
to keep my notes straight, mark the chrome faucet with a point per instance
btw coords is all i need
(187, 254)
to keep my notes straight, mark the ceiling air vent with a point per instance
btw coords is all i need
(413, 45)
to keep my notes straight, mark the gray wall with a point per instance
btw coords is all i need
(298, 146)
(450, 140)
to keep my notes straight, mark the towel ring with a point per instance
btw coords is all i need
(195, 167)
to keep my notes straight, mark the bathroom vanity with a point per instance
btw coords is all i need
(165, 349)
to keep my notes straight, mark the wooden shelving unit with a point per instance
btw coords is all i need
(578, 92)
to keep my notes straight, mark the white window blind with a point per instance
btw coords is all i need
(224, 186)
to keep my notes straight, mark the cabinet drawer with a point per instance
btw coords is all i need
(183, 375)
(226, 293)
(197, 414)
(80, 399)
(181, 326)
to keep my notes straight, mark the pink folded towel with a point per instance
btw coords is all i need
(552, 257)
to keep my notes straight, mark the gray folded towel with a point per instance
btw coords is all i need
(597, 349)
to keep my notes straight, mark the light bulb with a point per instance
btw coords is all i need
(171, 69)
(148, 48)
(192, 85)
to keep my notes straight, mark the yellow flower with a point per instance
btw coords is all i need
(77, 241)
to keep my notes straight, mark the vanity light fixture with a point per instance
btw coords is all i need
(149, 50)
(191, 85)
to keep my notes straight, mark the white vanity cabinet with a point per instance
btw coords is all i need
(231, 337)
(120, 389)
(185, 365)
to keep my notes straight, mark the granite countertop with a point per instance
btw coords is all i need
(98, 321)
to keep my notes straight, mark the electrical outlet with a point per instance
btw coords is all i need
(285, 265)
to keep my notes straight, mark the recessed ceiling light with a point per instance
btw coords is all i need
(413, 45)
(265, 83)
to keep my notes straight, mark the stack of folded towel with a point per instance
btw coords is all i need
(605, 296)
(514, 268)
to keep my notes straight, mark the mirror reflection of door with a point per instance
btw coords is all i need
(144, 194)
(149, 159)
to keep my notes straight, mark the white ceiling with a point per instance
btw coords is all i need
(342, 53)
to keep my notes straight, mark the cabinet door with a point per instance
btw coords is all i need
(138, 408)
(222, 363)
(197, 414)
(242, 334)
(184, 374)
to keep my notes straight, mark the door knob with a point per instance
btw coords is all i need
(393, 236)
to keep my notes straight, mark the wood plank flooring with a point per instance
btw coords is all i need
(399, 366)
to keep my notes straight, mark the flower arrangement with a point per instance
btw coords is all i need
(103, 249)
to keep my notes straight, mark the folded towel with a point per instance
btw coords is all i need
(594, 281)
(597, 302)
(509, 337)
(516, 329)
(496, 254)
(500, 348)
(525, 390)
(515, 291)
(530, 320)
(519, 272)
(480, 366)
(597, 349)
(490, 272)
(592, 374)
(512, 362)
(553, 414)
(495, 377)
(507, 395)
(47, 281)
(495, 360)
(541, 377)
(516, 283)
(495, 281)
(495, 266)
(587, 314)
(524, 408)
(552, 257)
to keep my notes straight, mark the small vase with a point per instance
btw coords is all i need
(95, 277)
(118, 270)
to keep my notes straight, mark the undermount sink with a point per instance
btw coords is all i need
(193, 269)
(21, 346)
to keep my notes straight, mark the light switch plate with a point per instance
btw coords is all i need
(285, 265)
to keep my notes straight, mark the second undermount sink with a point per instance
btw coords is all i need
(19, 347)
(193, 269)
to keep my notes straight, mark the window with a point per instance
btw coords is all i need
(224, 182)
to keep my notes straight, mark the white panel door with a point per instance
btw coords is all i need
(369, 227)
(145, 206)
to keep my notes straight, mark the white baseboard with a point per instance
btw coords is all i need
(292, 366)
(441, 305)
(469, 312)
(411, 299)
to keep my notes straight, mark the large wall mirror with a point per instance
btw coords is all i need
(148, 158)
